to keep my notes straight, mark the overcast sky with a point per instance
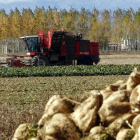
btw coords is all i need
(67, 4)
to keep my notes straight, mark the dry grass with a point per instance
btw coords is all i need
(23, 99)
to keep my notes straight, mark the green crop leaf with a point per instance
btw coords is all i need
(82, 70)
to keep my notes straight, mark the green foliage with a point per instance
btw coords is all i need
(105, 136)
(82, 70)
(33, 131)
(130, 135)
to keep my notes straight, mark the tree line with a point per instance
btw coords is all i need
(102, 26)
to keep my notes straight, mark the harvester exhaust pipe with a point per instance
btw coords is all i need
(80, 36)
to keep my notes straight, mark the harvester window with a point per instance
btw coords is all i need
(32, 44)
(23, 46)
(84, 46)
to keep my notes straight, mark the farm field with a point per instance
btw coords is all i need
(122, 58)
(23, 100)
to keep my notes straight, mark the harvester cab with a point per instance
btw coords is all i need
(30, 43)
(38, 44)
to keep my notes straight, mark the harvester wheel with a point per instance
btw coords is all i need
(88, 61)
(40, 61)
(79, 62)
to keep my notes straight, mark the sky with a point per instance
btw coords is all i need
(67, 4)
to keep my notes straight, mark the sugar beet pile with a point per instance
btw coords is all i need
(109, 114)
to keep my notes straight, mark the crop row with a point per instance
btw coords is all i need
(82, 70)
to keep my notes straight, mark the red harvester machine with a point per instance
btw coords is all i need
(58, 48)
